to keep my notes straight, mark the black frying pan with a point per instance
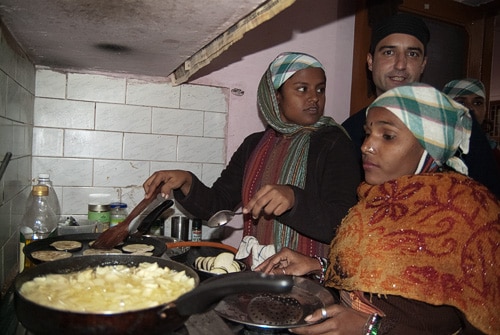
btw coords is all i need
(44, 244)
(85, 239)
(157, 320)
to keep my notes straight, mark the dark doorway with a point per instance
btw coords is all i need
(447, 53)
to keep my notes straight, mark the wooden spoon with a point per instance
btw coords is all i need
(117, 234)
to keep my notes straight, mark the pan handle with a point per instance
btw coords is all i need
(215, 289)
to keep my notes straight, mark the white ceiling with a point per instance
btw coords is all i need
(137, 37)
(144, 37)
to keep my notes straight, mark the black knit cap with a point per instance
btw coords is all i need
(400, 24)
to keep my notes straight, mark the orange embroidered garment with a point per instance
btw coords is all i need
(429, 237)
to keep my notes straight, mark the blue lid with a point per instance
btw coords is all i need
(118, 204)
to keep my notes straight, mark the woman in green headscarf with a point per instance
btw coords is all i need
(419, 252)
(296, 180)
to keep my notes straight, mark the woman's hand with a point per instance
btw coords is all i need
(171, 179)
(270, 200)
(289, 262)
(339, 320)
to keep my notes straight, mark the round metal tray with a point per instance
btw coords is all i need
(278, 311)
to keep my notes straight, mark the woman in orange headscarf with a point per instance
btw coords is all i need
(418, 254)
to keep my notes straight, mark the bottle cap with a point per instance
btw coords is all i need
(196, 224)
(99, 208)
(39, 190)
(43, 176)
(118, 205)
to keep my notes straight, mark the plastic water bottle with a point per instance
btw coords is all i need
(44, 179)
(38, 222)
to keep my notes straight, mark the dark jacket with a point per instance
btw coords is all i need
(412, 317)
(330, 188)
(480, 160)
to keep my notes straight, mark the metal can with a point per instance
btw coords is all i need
(101, 214)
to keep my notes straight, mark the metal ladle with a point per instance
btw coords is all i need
(221, 218)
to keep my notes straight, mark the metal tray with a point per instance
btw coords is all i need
(44, 244)
(277, 311)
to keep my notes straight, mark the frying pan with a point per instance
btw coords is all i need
(44, 244)
(136, 238)
(156, 320)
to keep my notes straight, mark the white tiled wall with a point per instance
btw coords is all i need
(17, 87)
(97, 134)
(104, 134)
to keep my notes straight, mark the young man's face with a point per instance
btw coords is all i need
(397, 60)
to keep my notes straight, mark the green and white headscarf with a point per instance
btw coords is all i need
(280, 70)
(441, 125)
(461, 87)
(286, 64)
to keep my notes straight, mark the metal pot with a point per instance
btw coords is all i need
(157, 320)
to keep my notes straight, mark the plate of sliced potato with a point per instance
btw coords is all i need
(221, 264)
(210, 261)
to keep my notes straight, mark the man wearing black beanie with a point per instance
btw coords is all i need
(397, 57)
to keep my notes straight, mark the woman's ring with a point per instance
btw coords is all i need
(323, 313)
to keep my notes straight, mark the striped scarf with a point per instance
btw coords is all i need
(468, 86)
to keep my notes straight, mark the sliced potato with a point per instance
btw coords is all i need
(234, 267)
(224, 260)
(198, 262)
(50, 255)
(207, 263)
(66, 245)
(220, 264)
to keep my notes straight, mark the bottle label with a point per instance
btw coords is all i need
(116, 220)
(196, 235)
(104, 217)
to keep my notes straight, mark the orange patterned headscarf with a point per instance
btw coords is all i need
(430, 237)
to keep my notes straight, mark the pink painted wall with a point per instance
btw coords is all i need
(322, 28)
